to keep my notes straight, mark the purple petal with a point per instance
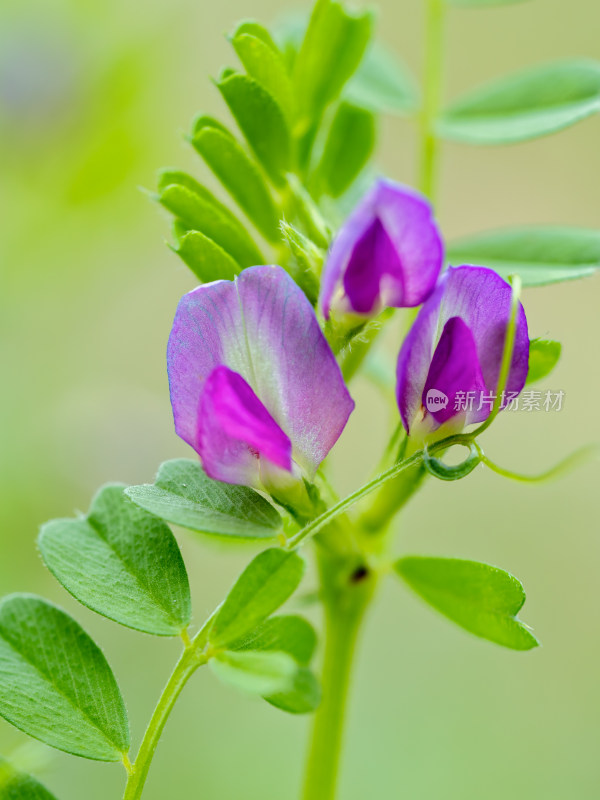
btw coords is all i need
(388, 253)
(454, 368)
(372, 258)
(482, 300)
(262, 327)
(235, 431)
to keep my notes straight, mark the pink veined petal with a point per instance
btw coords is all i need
(388, 252)
(236, 432)
(262, 327)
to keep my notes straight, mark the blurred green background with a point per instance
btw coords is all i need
(94, 96)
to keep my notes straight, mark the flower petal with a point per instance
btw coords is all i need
(482, 300)
(235, 431)
(388, 252)
(454, 368)
(262, 327)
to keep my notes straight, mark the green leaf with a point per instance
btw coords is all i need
(254, 28)
(348, 147)
(55, 683)
(16, 785)
(333, 47)
(205, 258)
(482, 599)
(543, 357)
(121, 562)
(238, 173)
(304, 696)
(286, 633)
(382, 83)
(261, 589)
(295, 636)
(262, 673)
(184, 495)
(200, 211)
(262, 60)
(261, 120)
(538, 255)
(525, 105)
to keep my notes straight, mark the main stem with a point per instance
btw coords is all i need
(189, 662)
(434, 40)
(347, 590)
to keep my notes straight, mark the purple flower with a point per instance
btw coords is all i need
(255, 388)
(449, 363)
(388, 253)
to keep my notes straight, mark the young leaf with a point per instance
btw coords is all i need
(184, 495)
(55, 683)
(238, 173)
(263, 62)
(348, 147)
(205, 258)
(121, 562)
(304, 696)
(333, 47)
(543, 357)
(525, 105)
(482, 599)
(261, 120)
(307, 260)
(203, 212)
(263, 586)
(254, 28)
(538, 255)
(286, 633)
(382, 84)
(262, 673)
(16, 785)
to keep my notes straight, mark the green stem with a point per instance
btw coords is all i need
(189, 662)
(348, 589)
(576, 459)
(434, 30)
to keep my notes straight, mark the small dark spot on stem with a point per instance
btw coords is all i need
(359, 574)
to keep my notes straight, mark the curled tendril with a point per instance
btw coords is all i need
(436, 467)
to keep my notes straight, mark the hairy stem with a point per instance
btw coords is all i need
(347, 589)
(189, 662)
(434, 29)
